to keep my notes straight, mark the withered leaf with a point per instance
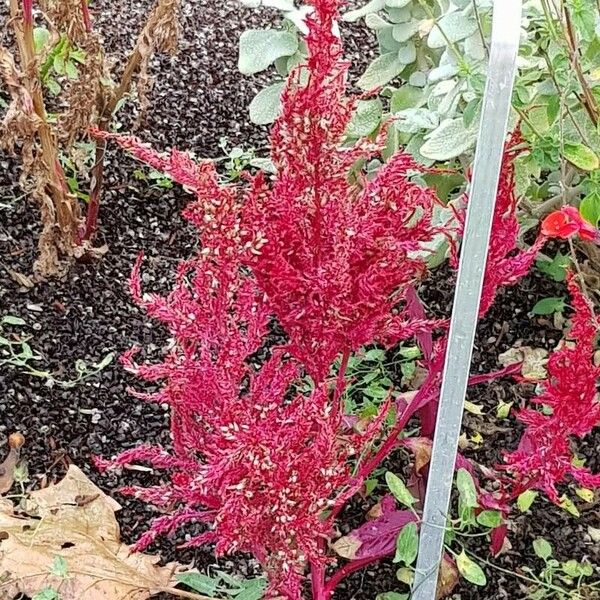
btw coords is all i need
(85, 535)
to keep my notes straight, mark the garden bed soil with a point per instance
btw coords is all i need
(198, 98)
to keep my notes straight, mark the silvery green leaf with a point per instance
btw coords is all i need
(474, 47)
(418, 79)
(402, 32)
(279, 4)
(443, 87)
(386, 40)
(407, 96)
(250, 3)
(259, 48)
(397, 3)
(455, 25)
(381, 71)
(298, 15)
(366, 118)
(449, 104)
(265, 106)
(414, 149)
(407, 53)
(369, 7)
(442, 73)
(399, 15)
(449, 140)
(413, 120)
(374, 21)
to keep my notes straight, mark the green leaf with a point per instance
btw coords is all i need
(581, 156)
(542, 548)
(407, 53)
(449, 140)
(41, 37)
(259, 48)
(402, 32)
(397, 3)
(490, 518)
(59, 64)
(575, 569)
(503, 409)
(375, 354)
(252, 589)
(567, 504)
(370, 7)
(46, 594)
(59, 567)
(399, 490)
(590, 208)
(381, 71)
(198, 582)
(375, 22)
(392, 596)
(12, 320)
(408, 96)
(71, 70)
(556, 268)
(548, 306)
(413, 120)
(366, 118)
(455, 25)
(265, 106)
(466, 488)
(470, 570)
(407, 545)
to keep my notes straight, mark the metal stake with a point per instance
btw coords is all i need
(506, 30)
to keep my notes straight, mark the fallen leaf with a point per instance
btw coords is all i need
(7, 468)
(534, 361)
(85, 535)
(23, 280)
(421, 447)
(447, 578)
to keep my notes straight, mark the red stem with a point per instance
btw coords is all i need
(87, 21)
(28, 13)
(350, 567)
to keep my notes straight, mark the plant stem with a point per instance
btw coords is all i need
(350, 567)
(85, 12)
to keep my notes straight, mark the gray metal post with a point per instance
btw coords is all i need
(486, 172)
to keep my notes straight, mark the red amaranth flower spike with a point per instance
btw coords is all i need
(544, 457)
(506, 263)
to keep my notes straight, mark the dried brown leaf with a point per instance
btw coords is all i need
(533, 361)
(86, 535)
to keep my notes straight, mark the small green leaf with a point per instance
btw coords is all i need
(12, 320)
(392, 596)
(366, 118)
(370, 7)
(547, 306)
(585, 494)
(567, 504)
(381, 71)
(526, 499)
(407, 544)
(490, 518)
(46, 594)
(259, 48)
(408, 96)
(470, 570)
(466, 488)
(590, 208)
(581, 156)
(456, 27)
(59, 567)
(265, 106)
(503, 409)
(41, 36)
(405, 575)
(198, 582)
(449, 140)
(71, 70)
(542, 548)
(399, 490)
(556, 268)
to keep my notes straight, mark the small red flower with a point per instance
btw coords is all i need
(566, 223)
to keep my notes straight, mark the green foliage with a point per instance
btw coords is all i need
(16, 352)
(470, 570)
(555, 268)
(548, 306)
(559, 580)
(399, 489)
(224, 586)
(407, 545)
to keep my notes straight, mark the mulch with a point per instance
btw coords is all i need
(198, 98)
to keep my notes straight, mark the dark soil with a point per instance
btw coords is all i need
(198, 98)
